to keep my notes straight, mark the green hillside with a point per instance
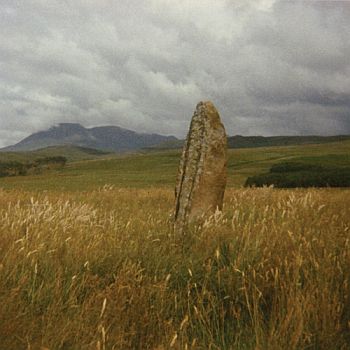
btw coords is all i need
(72, 153)
(160, 168)
(239, 141)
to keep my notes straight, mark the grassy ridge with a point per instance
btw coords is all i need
(102, 270)
(72, 153)
(159, 168)
(261, 141)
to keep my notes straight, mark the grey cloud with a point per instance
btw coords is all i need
(271, 67)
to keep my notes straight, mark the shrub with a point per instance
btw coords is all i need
(294, 167)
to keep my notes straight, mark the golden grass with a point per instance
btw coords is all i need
(102, 270)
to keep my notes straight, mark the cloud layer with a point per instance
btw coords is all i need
(270, 67)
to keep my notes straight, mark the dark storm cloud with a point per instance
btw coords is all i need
(271, 67)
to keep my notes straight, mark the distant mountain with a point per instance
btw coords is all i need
(116, 139)
(110, 138)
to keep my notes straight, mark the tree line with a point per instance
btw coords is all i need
(294, 174)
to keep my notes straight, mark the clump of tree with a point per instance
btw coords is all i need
(14, 168)
(50, 162)
(294, 174)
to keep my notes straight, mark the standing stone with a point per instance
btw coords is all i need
(202, 174)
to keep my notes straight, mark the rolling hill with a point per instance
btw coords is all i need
(239, 141)
(72, 153)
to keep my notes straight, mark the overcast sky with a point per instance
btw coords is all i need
(270, 67)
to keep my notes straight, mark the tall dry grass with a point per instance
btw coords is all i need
(102, 270)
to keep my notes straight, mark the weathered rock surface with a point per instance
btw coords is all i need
(202, 174)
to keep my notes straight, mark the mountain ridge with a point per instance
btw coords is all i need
(117, 139)
(109, 138)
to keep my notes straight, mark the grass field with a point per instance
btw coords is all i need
(159, 168)
(88, 259)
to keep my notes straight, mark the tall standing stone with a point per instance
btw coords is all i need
(202, 174)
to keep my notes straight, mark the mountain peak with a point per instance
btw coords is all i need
(66, 127)
(69, 125)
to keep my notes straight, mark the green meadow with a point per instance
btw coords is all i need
(88, 171)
